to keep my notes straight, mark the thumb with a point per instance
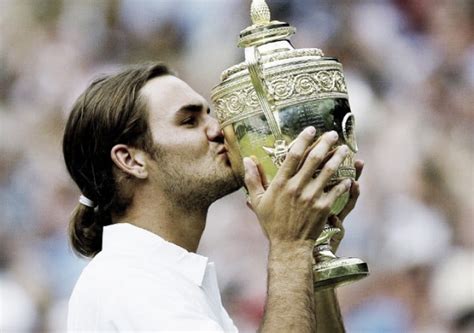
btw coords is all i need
(253, 181)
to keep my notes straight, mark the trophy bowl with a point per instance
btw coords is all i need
(263, 103)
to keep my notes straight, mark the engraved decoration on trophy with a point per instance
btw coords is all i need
(263, 103)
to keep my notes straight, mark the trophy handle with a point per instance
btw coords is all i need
(252, 57)
(348, 123)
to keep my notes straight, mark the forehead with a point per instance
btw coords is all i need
(167, 94)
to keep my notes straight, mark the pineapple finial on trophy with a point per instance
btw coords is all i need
(259, 12)
(263, 30)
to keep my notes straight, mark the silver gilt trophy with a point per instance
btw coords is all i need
(263, 103)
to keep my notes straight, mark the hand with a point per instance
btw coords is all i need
(336, 220)
(295, 207)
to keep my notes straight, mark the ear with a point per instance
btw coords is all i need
(130, 160)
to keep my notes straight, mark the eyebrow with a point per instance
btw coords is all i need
(194, 108)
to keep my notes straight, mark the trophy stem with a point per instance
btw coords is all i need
(330, 271)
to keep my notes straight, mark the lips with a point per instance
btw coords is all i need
(221, 150)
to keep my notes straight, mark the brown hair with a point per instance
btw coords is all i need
(110, 111)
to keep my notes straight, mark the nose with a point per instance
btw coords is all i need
(213, 130)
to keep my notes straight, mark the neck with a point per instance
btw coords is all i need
(179, 225)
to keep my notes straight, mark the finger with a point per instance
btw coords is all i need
(317, 156)
(259, 165)
(359, 166)
(337, 191)
(296, 153)
(330, 169)
(253, 181)
(354, 195)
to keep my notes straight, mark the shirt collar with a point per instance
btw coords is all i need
(125, 237)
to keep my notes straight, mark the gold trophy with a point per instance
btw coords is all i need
(262, 105)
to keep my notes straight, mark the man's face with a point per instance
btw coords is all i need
(191, 163)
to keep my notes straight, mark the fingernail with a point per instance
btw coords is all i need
(333, 135)
(344, 149)
(311, 130)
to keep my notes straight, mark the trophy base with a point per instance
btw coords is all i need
(336, 272)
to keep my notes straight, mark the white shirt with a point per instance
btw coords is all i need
(140, 282)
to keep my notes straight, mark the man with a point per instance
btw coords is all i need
(149, 161)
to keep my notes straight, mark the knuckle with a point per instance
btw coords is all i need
(329, 170)
(295, 155)
(341, 156)
(278, 183)
(315, 155)
(294, 189)
(320, 206)
(321, 145)
(306, 198)
(317, 205)
(341, 188)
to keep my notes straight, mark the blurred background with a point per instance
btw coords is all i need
(409, 67)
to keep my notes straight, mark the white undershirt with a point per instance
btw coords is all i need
(140, 282)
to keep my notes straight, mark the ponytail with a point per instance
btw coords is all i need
(85, 231)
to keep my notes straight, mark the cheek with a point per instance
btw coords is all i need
(181, 142)
(184, 149)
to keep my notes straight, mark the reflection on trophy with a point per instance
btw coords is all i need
(263, 104)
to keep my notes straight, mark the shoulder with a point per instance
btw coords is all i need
(111, 276)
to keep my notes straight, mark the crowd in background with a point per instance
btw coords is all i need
(409, 67)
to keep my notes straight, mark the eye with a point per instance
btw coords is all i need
(189, 121)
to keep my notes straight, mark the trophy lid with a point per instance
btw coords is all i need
(262, 29)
